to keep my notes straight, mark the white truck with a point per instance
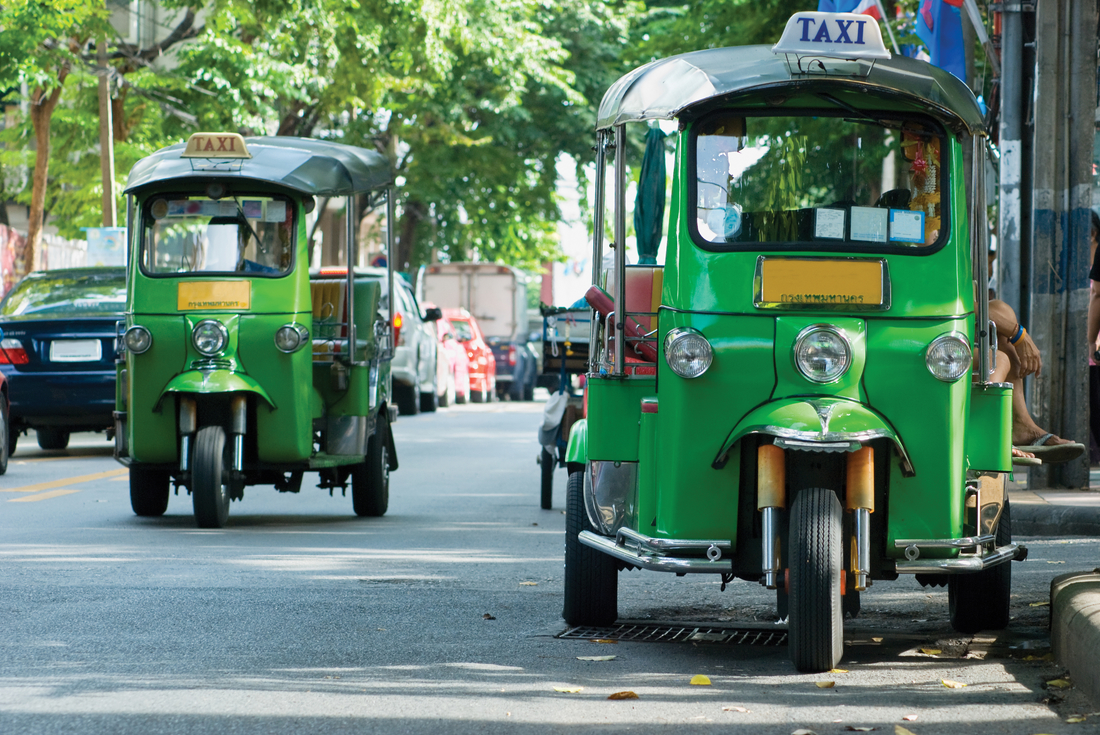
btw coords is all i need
(497, 297)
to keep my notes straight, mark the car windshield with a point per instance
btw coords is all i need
(463, 330)
(817, 181)
(68, 295)
(246, 234)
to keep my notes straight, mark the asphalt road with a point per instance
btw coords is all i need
(441, 617)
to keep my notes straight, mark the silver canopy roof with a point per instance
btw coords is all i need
(666, 88)
(311, 166)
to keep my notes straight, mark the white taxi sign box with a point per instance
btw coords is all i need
(832, 35)
(216, 145)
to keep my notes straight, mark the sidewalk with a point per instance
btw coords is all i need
(1054, 512)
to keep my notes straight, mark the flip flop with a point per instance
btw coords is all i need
(1027, 461)
(1053, 453)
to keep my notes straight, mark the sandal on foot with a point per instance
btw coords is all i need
(1053, 453)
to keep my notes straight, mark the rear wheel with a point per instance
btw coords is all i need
(591, 577)
(980, 601)
(209, 493)
(6, 442)
(547, 462)
(429, 401)
(816, 627)
(407, 398)
(370, 480)
(50, 437)
(149, 491)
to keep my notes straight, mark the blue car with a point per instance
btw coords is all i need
(58, 352)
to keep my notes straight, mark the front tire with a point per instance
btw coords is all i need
(980, 601)
(52, 438)
(370, 480)
(547, 462)
(209, 494)
(816, 627)
(149, 491)
(591, 577)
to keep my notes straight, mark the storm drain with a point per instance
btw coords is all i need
(648, 633)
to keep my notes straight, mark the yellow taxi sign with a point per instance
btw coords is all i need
(216, 145)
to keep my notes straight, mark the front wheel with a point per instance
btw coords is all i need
(209, 494)
(591, 577)
(370, 480)
(149, 491)
(52, 438)
(547, 462)
(816, 544)
(980, 601)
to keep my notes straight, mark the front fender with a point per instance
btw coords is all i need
(816, 419)
(577, 450)
(214, 381)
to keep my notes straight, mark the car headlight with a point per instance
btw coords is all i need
(290, 337)
(209, 337)
(822, 353)
(948, 357)
(688, 352)
(137, 339)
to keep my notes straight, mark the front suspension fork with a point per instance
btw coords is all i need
(188, 425)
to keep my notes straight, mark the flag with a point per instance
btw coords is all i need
(864, 7)
(939, 25)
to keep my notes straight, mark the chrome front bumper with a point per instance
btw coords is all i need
(976, 553)
(656, 554)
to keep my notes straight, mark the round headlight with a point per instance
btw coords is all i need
(948, 357)
(209, 337)
(290, 337)
(137, 339)
(687, 352)
(822, 354)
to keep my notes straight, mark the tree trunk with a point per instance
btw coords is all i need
(42, 106)
(410, 221)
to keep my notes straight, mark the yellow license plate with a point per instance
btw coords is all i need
(825, 283)
(194, 295)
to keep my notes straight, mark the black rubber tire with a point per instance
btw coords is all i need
(209, 493)
(980, 601)
(547, 462)
(370, 480)
(50, 437)
(529, 389)
(816, 539)
(407, 398)
(591, 577)
(13, 436)
(429, 401)
(6, 440)
(149, 491)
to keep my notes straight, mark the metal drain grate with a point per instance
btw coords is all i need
(656, 633)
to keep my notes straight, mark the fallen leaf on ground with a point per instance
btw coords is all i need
(528, 584)
(1044, 657)
(603, 640)
(899, 730)
(877, 640)
(487, 616)
(1059, 684)
(623, 695)
(734, 709)
(700, 680)
(568, 690)
(930, 651)
(1074, 719)
(910, 718)
(803, 731)
(838, 671)
(952, 684)
(1055, 562)
(595, 658)
(1041, 603)
(825, 684)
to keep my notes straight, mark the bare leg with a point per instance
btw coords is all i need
(1024, 429)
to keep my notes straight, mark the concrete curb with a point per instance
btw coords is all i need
(1045, 519)
(1075, 627)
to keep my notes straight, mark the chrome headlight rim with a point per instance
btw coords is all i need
(958, 338)
(135, 337)
(218, 329)
(301, 333)
(678, 336)
(812, 330)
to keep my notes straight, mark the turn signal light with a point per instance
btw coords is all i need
(12, 352)
(398, 320)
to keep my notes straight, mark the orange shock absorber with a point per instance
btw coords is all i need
(861, 501)
(771, 498)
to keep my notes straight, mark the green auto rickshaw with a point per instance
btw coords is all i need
(236, 366)
(802, 394)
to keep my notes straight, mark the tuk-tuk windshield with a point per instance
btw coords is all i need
(818, 181)
(189, 234)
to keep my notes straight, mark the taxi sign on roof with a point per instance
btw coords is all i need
(216, 145)
(836, 35)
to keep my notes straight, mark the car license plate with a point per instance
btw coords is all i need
(76, 350)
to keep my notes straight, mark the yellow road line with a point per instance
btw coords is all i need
(67, 481)
(43, 496)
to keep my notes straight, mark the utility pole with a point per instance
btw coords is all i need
(1013, 203)
(106, 136)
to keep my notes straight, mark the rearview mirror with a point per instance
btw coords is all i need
(433, 314)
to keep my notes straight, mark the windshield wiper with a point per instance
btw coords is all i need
(860, 113)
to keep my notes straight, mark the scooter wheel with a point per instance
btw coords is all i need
(547, 461)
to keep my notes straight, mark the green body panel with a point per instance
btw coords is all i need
(790, 382)
(215, 381)
(645, 502)
(614, 407)
(150, 425)
(989, 433)
(356, 400)
(577, 449)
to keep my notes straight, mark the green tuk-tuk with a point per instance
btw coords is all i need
(236, 367)
(801, 394)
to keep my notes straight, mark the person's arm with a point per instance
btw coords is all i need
(1010, 331)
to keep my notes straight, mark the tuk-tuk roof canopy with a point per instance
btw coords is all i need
(666, 88)
(307, 165)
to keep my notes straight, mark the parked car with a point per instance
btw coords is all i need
(5, 423)
(453, 365)
(58, 352)
(482, 365)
